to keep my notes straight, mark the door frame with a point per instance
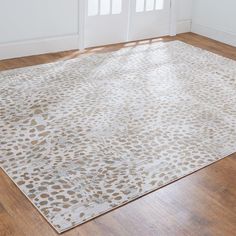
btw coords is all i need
(81, 30)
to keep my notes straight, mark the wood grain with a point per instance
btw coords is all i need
(203, 203)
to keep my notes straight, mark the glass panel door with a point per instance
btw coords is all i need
(149, 19)
(115, 21)
(105, 22)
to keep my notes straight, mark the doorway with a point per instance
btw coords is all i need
(106, 22)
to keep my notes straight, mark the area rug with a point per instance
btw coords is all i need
(84, 136)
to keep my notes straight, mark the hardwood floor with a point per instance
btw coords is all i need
(203, 203)
(190, 38)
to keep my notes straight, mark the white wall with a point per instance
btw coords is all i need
(215, 19)
(37, 26)
(184, 15)
(29, 27)
(33, 19)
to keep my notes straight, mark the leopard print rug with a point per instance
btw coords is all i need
(84, 136)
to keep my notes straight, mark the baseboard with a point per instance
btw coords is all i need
(216, 34)
(183, 26)
(64, 43)
(39, 46)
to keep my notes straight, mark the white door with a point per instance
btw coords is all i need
(105, 22)
(149, 19)
(114, 21)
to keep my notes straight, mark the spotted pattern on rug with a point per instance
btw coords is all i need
(83, 136)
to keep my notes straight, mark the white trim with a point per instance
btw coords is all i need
(38, 46)
(173, 17)
(217, 34)
(184, 26)
(130, 5)
(82, 9)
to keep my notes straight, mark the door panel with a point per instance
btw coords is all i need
(149, 19)
(105, 22)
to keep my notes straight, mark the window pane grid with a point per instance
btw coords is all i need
(149, 5)
(104, 7)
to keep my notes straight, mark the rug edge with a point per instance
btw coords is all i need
(227, 155)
